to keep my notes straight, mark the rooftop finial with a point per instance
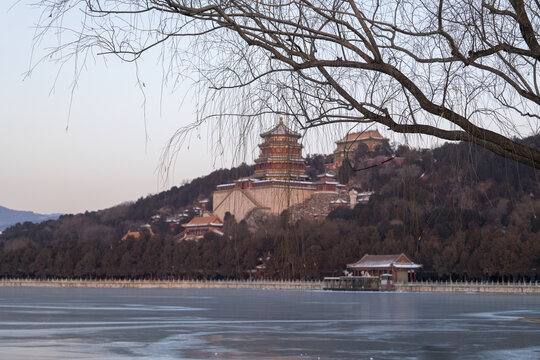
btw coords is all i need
(281, 119)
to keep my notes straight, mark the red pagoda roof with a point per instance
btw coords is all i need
(280, 129)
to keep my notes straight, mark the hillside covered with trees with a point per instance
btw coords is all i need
(461, 211)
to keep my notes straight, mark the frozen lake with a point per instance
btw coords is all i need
(78, 323)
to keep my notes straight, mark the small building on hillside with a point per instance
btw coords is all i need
(364, 196)
(197, 227)
(393, 268)
(143, 229)
(348, 145)
(339, 203)
(327, 183)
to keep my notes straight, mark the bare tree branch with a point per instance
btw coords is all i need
(421, 68)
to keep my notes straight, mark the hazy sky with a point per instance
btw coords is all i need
(108, 154)
(103, 158)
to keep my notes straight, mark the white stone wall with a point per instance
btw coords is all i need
(274, 198)
(234, 201)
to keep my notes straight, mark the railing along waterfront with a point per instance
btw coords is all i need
(353, 283)
(424, 286)
(176, 283)
(523, 287)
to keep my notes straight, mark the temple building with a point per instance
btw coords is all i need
(394, 268)
(348, 145)
(143, 229)
(197, 227)
(202, 223)
(279, 181)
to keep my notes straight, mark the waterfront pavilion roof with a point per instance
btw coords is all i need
(400, 261)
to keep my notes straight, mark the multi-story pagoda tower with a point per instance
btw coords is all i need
(279, 181)
(281, 155)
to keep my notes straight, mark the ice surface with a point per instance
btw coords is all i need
(66, 323)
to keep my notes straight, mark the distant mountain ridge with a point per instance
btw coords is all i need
(10, 217)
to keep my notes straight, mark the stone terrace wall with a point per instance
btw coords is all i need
(318, 205)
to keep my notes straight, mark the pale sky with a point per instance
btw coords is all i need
(103, 158)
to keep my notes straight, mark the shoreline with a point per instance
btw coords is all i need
(454, 287)
(472, 287)
(168, 284)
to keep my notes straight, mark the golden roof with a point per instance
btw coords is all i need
(363, 135)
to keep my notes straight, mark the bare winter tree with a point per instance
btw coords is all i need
(457, 70)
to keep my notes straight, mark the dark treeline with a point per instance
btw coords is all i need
(461, 211)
